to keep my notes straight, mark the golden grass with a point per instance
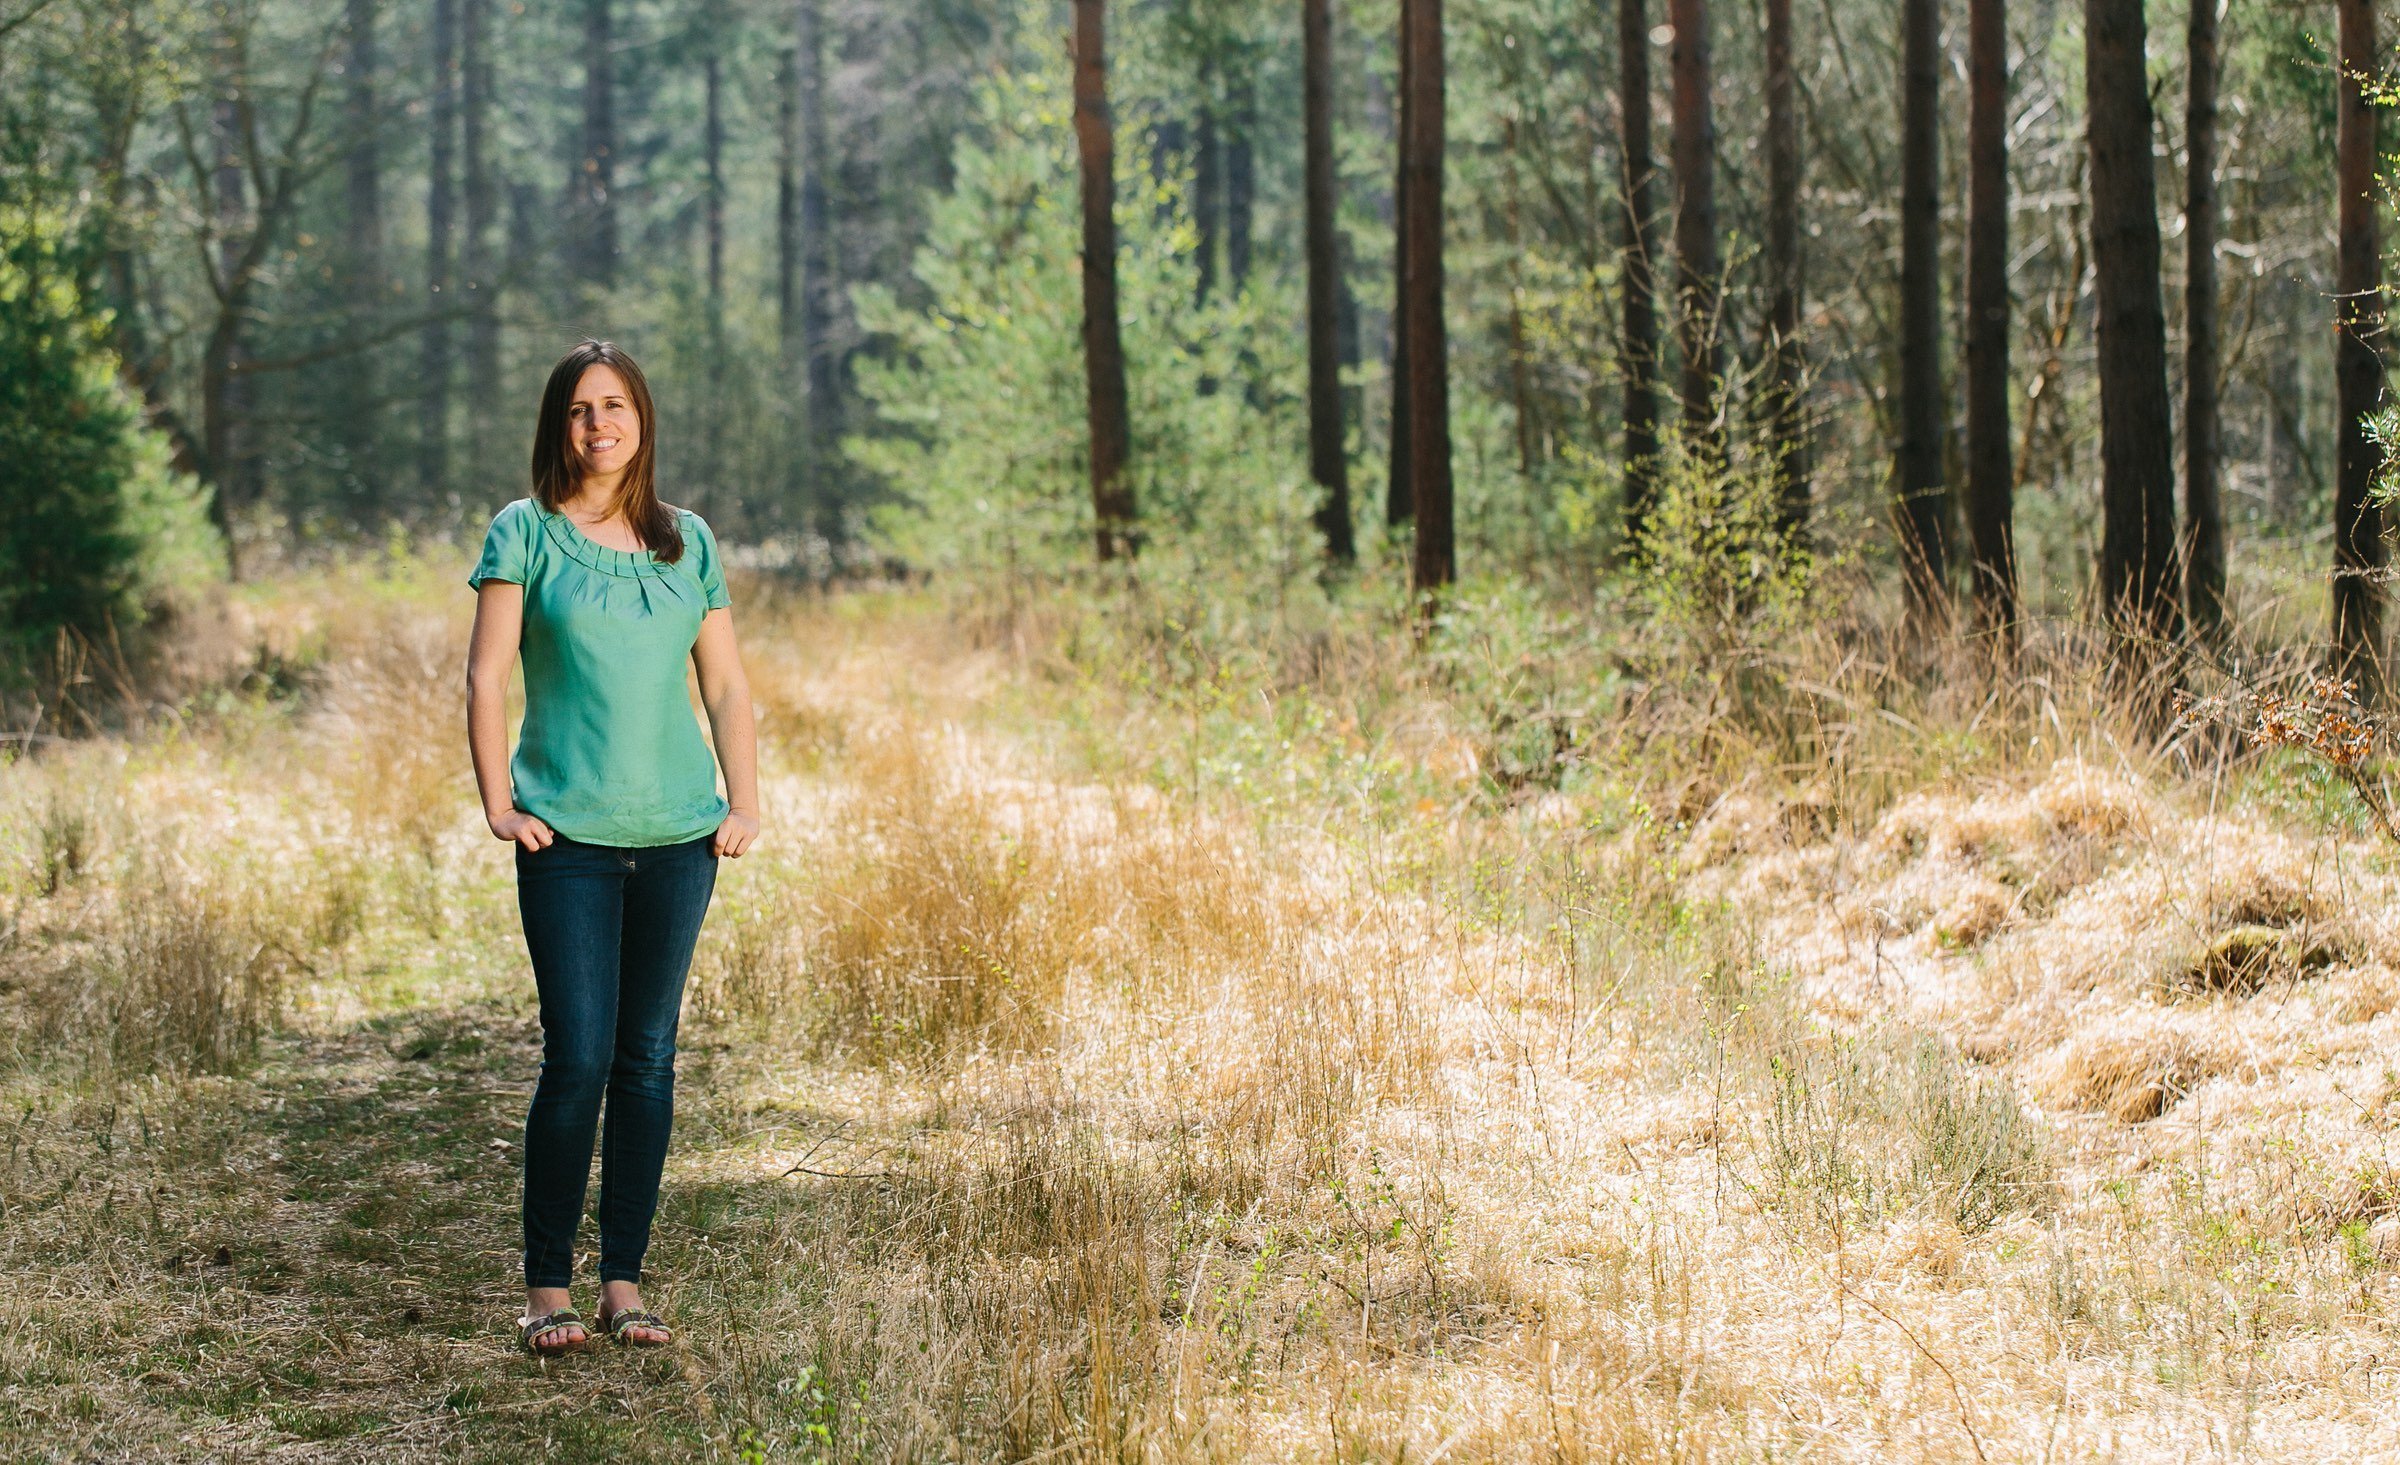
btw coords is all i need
(1132, 1049)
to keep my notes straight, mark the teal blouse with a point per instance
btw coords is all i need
(610, 751)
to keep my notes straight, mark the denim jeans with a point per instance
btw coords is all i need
(610, 931)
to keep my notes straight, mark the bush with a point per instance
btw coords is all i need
(99, 527)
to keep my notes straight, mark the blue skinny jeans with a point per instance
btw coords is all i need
(610, 931)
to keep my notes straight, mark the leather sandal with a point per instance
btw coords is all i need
(619, 1325)
(530, 1328)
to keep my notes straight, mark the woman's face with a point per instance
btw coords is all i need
(602, 426)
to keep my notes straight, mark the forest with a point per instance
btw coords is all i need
(1488, 729)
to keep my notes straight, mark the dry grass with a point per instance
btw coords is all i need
(1139, 1047)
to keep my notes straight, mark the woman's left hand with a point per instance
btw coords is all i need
(735, 835)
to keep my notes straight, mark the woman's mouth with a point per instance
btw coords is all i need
(599, 444)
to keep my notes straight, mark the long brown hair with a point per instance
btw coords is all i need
(557, 474)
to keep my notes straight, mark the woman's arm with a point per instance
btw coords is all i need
(726, 691)
(491, 655)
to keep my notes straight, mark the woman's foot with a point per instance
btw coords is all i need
(550, 1324)
(622, 1297)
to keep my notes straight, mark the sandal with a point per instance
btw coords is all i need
(530, 1328)
(619, 1325)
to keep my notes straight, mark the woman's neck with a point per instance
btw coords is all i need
(594, 499)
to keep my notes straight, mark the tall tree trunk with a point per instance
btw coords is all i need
(225, 396)
(787, 203)
(596, 170)
(1991, 511)
(362, 155)
(432, 428)
(1788, 416)
(1918, 485)
(1426, 386)
(2204, 513)
(2358, 549)
(713, 204)
(1639, 267)
(1696, 266)
(482, 199)
(358, 390)
(1399, 490)
(1103, 346)
(1241, 165)
(1327, 462)
(712, 218)
(2139, 587)
(1208, 178)
(816, 249)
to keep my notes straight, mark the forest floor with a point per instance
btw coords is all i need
(1094, 1064)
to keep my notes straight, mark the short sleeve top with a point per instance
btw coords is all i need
(610, 751)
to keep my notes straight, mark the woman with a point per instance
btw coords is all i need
(612, 804)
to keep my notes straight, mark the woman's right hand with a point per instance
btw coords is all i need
(529, 833)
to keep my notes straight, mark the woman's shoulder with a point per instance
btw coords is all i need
(517, 511)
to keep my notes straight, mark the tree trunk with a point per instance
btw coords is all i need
(2204, 570)
(1426, 385)
(1696, 268)
(1639, 268)
(359, 392)
(1787, 412)
(816, 249)
(1327, 462)
(2138, 580)
(1103, 346)
(713, 203)
(1918, 485)
(362, 156)
(432, 428)
(1399, 492)
(1990, 475)
(482, 199)
(1208, 179)
(225, 395)
(1241, 165)
(787, 203)
(2358, 549)
(596, 192)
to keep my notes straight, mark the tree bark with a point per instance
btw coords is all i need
(1103, 345)
(787, 202)
(595, 178)
(1991, 479)
(1208, 179)
(1639, 360)
(1787, 412)
(816, 247)
(2138, 580)
(432, 428)
(482, 200)
(713, 203)
(1399, 491)
(1918, 483)
(1426, 386)
(362, 155)
(1696, 267)
(1241, 162)
(2204, 569)
(1328, 463)
(2358, 548)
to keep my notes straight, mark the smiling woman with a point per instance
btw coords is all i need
(612, 803)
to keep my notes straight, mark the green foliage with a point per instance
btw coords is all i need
(1722, 584)
(982, 392)
(98, 525)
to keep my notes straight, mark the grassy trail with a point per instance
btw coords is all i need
(1083, 1073)
(336, 1268)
